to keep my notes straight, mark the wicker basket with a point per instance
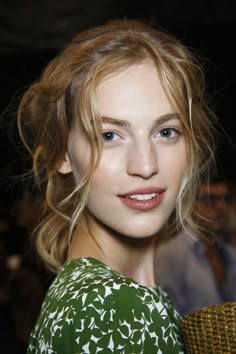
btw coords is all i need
(211, 330)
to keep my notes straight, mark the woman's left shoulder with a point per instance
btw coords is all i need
(96, 307)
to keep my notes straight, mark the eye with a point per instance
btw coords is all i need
(109, 137)
(168, 133)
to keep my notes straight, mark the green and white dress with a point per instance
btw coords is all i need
(90, 308)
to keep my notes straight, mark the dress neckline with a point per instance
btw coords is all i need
(95, 261)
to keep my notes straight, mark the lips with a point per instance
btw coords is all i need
(143, 199)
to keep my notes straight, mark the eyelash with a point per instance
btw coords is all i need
(114, 134)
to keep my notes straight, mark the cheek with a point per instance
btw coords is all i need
(109, 167)
(105, 182)
(179, 163)
(179, 169)
(174, 160)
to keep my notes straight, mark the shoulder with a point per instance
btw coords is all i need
(87, 282)
(96, 307)
(87, 276)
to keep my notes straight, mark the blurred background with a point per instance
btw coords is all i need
(32, 33)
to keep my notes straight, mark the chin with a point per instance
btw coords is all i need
(143, 232)
(131, 229)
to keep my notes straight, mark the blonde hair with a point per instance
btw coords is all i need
(66, 94)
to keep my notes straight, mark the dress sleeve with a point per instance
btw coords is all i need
(109, 317)
(120, 318)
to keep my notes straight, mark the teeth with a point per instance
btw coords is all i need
(142, 196)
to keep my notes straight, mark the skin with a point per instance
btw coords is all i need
(148, 151)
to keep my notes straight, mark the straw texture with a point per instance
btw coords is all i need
(211, 330)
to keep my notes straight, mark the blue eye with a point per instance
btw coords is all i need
(109, 136)
(168, 133)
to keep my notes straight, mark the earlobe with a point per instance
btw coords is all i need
(64, 165)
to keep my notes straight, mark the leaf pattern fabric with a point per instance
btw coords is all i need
(91, 308)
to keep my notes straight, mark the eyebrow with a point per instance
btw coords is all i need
(124, 123)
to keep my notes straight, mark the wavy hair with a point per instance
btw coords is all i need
(66, 93)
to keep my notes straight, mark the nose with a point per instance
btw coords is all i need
(142, 159)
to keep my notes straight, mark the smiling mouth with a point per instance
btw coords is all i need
(142, 197)
(143, 201)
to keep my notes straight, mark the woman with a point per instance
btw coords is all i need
(120, 137)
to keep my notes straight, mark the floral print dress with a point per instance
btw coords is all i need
(91, 308)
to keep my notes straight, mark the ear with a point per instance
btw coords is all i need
(64, 165)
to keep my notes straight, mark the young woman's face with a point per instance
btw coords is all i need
(136, 184)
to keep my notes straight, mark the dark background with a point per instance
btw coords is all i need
(31, 33)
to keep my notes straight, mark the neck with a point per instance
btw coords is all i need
(131, 257)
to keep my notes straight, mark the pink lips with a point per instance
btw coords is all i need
(143, 205)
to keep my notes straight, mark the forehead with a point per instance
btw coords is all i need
(137, 87)
(120, 72)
